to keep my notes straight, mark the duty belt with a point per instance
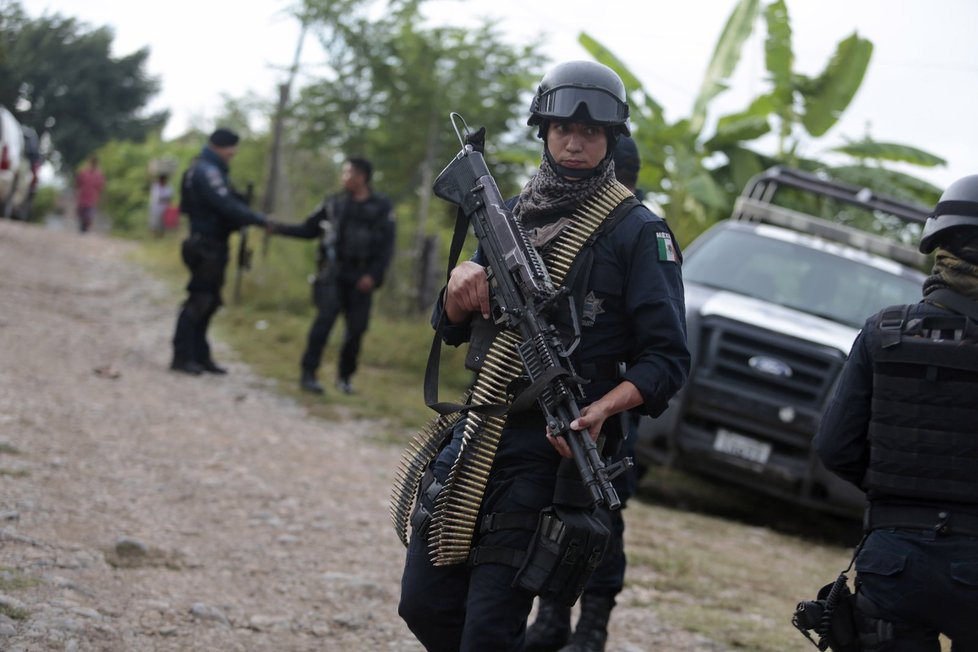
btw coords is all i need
(941, 520)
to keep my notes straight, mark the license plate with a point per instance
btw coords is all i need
(740, 446)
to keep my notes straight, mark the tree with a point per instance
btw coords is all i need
(58, 75)
(392, 86)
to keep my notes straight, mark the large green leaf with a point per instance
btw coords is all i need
(890, 152)
(737, 128)
(705, 190)
(833, 90)
(747, 125)
(726, 55)
(778, 54)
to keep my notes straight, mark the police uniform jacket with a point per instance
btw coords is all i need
(363, 234)
(215, 209)
(902, 422)
(633, 312)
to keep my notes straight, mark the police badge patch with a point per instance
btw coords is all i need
(592, 308)
(667, 249)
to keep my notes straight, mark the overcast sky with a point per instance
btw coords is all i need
(921, 88)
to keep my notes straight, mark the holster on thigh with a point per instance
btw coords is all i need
(875, 632)
(568, 544)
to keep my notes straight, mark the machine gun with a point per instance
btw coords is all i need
(523, 298)
(244, 251)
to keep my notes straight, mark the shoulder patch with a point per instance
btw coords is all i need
(216, 180)
(667, 248)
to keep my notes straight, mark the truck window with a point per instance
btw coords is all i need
(797, 276)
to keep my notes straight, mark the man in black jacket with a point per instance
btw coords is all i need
(356, 232)
(215, 210)
(903, 426)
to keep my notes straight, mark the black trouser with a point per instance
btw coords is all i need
(332, 298)
(914, 585)
(609, 577)
(207, 260)
(463, 608)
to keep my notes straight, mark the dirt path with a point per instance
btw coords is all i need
(145, 510)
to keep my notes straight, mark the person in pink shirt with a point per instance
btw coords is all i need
(89, 183)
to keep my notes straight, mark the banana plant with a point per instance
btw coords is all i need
(675, 154)
(679, 159)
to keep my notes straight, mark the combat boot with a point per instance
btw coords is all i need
(308, 383)
(550, 630)
(591, 631)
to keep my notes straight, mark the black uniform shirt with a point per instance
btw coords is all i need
(375, 216)
(634, 310)
(215, 210)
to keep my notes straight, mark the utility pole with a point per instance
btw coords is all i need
(284, 91)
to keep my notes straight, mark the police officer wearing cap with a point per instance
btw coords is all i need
(632, 349)
(215, 210)
(903, 426)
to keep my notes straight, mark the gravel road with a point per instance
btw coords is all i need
(146, 510)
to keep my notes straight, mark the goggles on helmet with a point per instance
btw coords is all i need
(565, 102)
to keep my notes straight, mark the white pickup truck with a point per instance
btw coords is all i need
(19, 162)
(774, 299)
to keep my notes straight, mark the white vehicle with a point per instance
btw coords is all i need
(19, 161)
(774, 300)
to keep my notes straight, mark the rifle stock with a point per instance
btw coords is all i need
(523, 297)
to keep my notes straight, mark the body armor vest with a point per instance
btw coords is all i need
(355, 239)
(923, 434)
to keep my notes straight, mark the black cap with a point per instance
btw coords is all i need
(223, 137)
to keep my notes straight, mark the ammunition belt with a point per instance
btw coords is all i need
(456, 513)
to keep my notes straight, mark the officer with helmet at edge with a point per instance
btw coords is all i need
(903, 426)
(632, 353)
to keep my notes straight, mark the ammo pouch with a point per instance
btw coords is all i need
(567, 546)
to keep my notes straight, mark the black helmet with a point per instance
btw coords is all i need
(956, 209)
(586, 90)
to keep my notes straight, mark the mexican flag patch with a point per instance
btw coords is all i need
(667, 249)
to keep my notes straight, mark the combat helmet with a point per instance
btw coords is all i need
(583, 91)
(587, 90)
(956, 209)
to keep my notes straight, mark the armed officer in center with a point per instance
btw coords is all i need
(632, 350)
(215, 210)
(552, 628)
(903, 425)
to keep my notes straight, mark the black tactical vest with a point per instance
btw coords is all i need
(358, 232)
(923, 429)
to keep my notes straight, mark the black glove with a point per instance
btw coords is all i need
(477, 139)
